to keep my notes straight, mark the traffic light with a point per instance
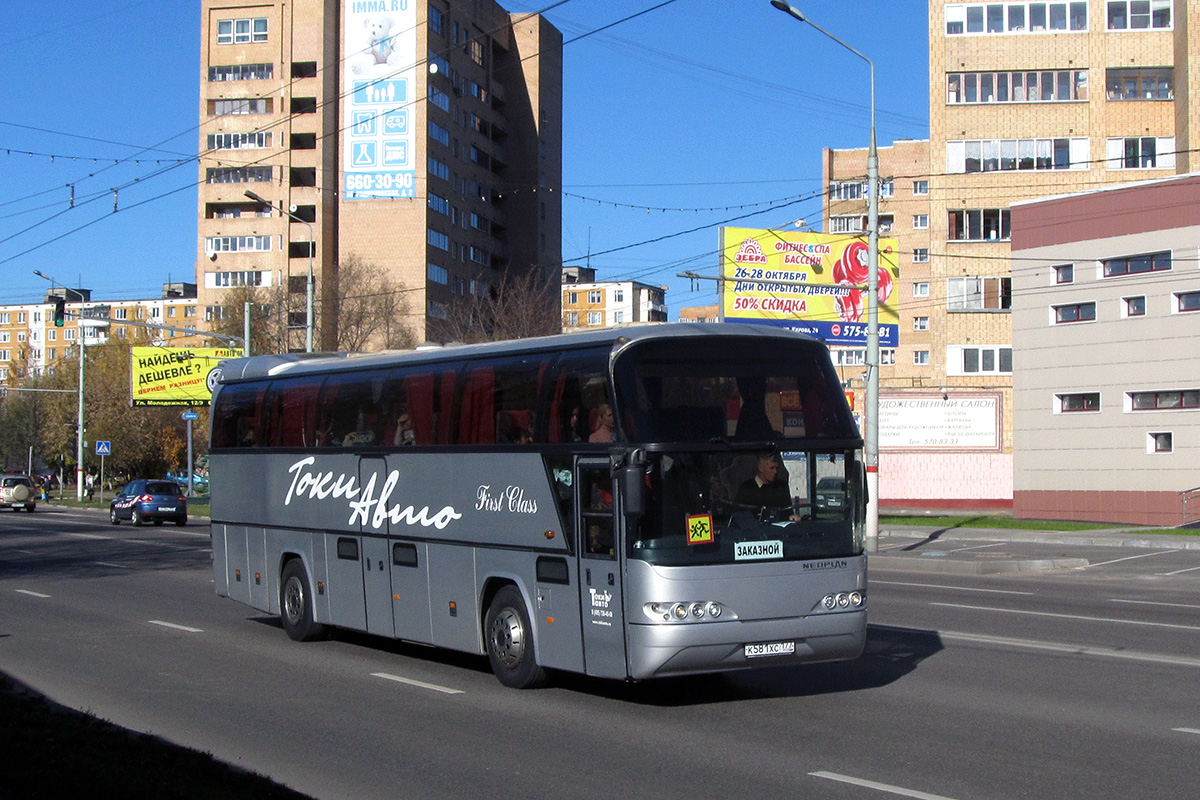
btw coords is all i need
(60, 311)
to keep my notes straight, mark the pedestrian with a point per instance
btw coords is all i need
(90, 483)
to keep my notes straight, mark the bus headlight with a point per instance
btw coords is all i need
(839, 600)
(685, 611)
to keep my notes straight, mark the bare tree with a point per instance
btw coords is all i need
(517, 306)
(268, 318)
(369, 308)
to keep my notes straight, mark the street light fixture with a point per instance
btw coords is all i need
(308, 324)
(872, 389)
(79, 418)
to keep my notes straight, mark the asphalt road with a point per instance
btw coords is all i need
(1075, 682)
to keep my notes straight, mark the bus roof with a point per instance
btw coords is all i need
(264, 366)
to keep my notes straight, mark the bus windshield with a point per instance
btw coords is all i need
(727, 507)
(731, 389)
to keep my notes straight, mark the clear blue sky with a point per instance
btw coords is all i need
(709, 107)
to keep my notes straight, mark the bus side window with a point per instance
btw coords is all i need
(239, 409)
(580, 386)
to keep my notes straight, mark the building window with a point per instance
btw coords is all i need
(920, 187)
(437, 274)
(1134, 265)
(439, 240)
(572, 319)
(595, 297)
(920, 255)
(231, 280)
(1016, 18)
(242, 31)
(979, 225)
(1064, 273)
(979, 294)
(241, 72)
(1006, 155)
(1187, 302)
(237, 175)
(439, 204)
(1133, 307)
(1184, 400)
(1047, 86)
(1074, 312)
(1138, 14)
(848, 190)
(439, 134)
(239, 106)
(1159, 442)
(618, 317)
(851, 224)
(618, 295)
(920, 221)
(234, 244)
(595, 318)
(239, 141)
(438, 169)
(921, 289)
(1141, 152)
(1125, 84)
(920, 323)
(1071, 403)
(437, 21)
(439, 98)
(921, 358)
(992, 360)
(572, 298)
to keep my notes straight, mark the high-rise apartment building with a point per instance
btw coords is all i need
(422, 139)
(1027, 100)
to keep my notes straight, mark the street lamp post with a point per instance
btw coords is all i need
(871, 456)
(308, 325)
(79, 418)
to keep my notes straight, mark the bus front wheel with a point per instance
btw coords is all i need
(295, 604)
(510, 641)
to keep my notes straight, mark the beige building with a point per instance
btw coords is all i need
(1106, 317)
(1027, 100)
(31, 344)
(420, 138)
(588, 303)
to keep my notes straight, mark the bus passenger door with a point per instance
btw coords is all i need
(376, 560)
(598, 540)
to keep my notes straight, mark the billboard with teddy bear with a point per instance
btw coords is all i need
(380, 96)
(813, 283)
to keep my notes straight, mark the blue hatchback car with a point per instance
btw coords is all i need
(156, 501)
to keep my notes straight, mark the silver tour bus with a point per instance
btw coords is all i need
(630, 503)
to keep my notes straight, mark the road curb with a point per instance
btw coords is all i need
(958, 567)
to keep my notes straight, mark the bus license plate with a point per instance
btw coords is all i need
(770, 649)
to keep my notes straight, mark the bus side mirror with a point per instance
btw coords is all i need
(632, 479)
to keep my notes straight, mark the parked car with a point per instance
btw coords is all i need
(831, 493)
(17, 492)
(154, 500)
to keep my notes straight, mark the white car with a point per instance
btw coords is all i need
(17, 492)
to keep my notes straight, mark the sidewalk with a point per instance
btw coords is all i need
(990, 551)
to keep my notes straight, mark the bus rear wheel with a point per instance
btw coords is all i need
(295, 604)
(509, 636)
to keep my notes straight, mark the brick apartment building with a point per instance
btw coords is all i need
(1027, 100)
(424, 140)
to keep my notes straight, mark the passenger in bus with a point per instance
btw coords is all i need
(405, 434)
(600, 539)
(604, 426)
(572, 432)
(519, 435)
(765, 490)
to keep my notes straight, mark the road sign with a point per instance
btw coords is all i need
(103, 448)
(190, 415)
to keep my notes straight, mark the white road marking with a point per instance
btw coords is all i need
(1152, 603)
(872, 582)
(419, 684)
(1186, 730)
(107, 564)
(1179, 571)
(977, 547)
(1070, 616)
(31, 593)
(882, 787)
(1127, 558)
(1073, 649)
(173, 626)
(87, 536)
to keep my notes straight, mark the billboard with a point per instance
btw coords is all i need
(807, 282)
(175, 376)
(379, 87)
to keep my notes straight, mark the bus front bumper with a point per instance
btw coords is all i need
(657, 651)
